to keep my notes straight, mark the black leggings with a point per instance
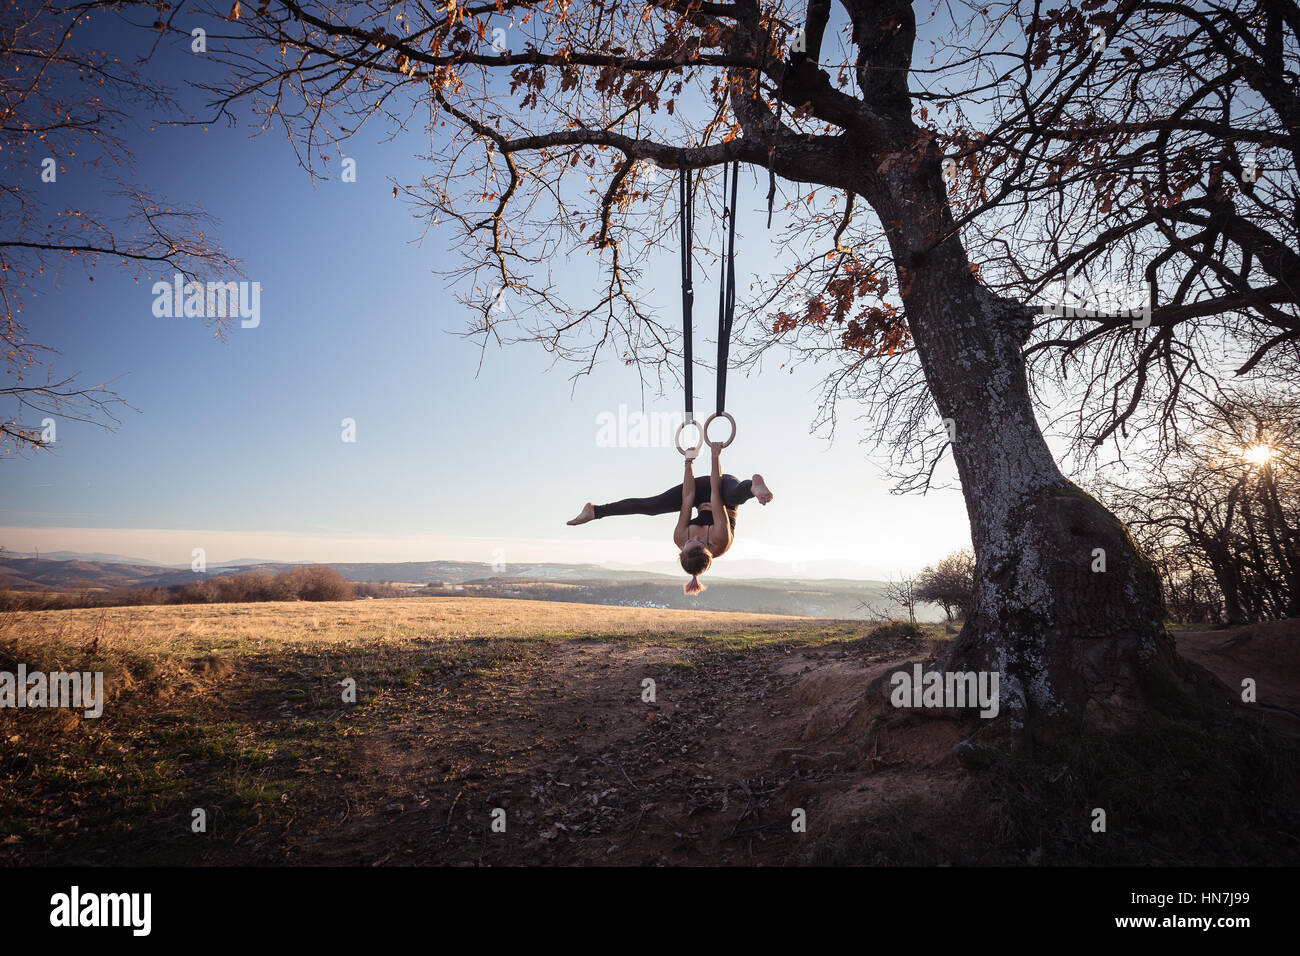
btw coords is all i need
(734, 494)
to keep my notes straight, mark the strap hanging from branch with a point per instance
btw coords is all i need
(727, 295)
(688, 289)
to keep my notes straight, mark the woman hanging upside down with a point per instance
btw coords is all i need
(699, 539)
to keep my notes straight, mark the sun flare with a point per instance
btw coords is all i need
(1260, 454)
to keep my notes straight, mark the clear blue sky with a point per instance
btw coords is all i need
(236, 446)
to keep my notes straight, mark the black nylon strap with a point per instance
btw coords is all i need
(727, 295)
(688, 289)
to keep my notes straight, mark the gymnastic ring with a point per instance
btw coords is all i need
(690, 451)
(709, 421)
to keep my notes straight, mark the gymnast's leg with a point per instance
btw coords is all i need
(669, 502)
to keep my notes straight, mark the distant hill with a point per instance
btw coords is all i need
(750, 568)
(47, 574)
(84, 556)
(834, 599)
(122, 559)
(420, 572)
(583, 583)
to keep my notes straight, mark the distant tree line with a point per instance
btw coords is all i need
(315, 582)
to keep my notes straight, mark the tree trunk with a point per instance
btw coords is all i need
(1064, 606)
(1225, 575)
(1282, 538)
(1065, 639)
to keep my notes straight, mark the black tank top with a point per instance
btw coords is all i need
(704, 518)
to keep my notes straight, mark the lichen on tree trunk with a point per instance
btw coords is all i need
(1065, 609)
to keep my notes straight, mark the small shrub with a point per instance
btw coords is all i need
(896, 631)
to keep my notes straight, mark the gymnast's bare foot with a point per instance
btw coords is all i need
(761, 491)
(588, 513)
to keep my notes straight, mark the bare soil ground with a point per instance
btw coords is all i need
(1267, 653)
(471, 709)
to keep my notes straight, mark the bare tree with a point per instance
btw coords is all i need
(902, 593)
(950, 583)
(1221, 513)
(63, 108)
(939, 195)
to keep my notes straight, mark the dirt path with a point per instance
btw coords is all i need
(586, 771)
(710, 772)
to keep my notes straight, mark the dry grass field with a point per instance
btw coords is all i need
(532, 713)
